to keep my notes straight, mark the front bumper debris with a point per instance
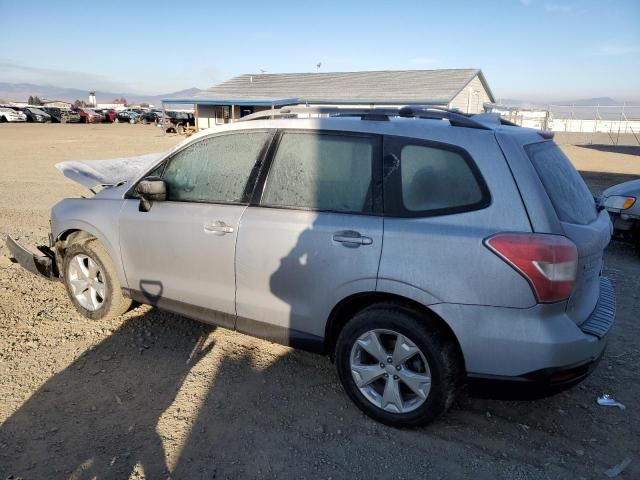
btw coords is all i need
(43, 265)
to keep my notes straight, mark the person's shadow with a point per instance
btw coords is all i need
(98, 417)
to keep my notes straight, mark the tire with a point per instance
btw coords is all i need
(180, 129)
(114, 302)
(3, 119)
(437, 357)
(145, 121)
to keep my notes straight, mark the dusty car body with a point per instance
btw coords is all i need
(419, 248)
(621, 201)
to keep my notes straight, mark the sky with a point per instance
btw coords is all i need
(535, 50)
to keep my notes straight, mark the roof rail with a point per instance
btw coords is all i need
(455, 117)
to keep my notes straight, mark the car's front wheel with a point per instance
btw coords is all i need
(91, 281)
(397, 365)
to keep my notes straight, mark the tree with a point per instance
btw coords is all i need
(144, 105)
(37, 101)
(30, 100)
(79, 104)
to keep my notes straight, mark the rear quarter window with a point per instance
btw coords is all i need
(427, 179)
(570, 196)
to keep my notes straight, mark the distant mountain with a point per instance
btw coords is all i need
(189, 92)
(602, 101)
(20, 92)
(582, 102)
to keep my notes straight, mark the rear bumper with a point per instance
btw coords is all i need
(43, 265)
(537, 384)
(540, 345)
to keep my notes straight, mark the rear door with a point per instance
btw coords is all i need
(312, 237)
(575, 207)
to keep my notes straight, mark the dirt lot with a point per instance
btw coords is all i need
(152, 395)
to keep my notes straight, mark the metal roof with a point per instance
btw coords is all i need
(378, 87)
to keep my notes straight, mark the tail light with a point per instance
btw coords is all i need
(548, 262)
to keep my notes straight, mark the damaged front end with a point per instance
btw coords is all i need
(43, 265)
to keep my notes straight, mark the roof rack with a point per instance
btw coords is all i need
(455, 117)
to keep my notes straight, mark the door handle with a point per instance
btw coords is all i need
(350, 238)
(218, 227)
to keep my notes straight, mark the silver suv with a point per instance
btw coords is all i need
(421, 249)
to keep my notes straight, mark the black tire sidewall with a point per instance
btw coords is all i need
(71, 253)
(403, 321)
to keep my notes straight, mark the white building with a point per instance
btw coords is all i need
(465, 89)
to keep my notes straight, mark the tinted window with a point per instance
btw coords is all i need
(569, 194)
(214, 169)
(436, 179)
(321, 172)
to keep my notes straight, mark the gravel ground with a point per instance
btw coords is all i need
(153, 395)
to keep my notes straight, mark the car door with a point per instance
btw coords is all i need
(311, 237)
(180, 254)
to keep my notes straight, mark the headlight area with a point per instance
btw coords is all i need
(619, 202)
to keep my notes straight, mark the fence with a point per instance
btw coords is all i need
(586, 124)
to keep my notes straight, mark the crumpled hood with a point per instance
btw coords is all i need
(96, 173)
(631, 188)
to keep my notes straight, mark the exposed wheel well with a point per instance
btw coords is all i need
(348, 307)
(65, 239)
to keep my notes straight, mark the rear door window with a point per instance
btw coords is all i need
(567, 191)
(319, 171)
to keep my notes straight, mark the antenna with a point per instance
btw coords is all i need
(318, 65)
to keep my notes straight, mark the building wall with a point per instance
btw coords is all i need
(472, 98)
(57, 104)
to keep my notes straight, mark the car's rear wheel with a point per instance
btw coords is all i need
(92, 283)
(398, 366)
(180, 129)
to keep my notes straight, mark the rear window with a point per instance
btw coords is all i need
(569, 194)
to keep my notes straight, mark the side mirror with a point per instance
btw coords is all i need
(151, 189)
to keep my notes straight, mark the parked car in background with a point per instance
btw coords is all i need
(418, 247)
(36, 115)
(176, 122)
(151, 116)
(11, 115)
(621, 201)
(62, 115)
(88, 115)
(109, 115)
(127, 116)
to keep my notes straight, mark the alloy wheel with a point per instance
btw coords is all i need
(390, 371)
(87, 282)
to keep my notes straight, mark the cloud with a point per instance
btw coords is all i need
(13, 72)
(558, 8)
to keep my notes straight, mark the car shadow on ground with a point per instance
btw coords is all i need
(626, 149)
(98, 417)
